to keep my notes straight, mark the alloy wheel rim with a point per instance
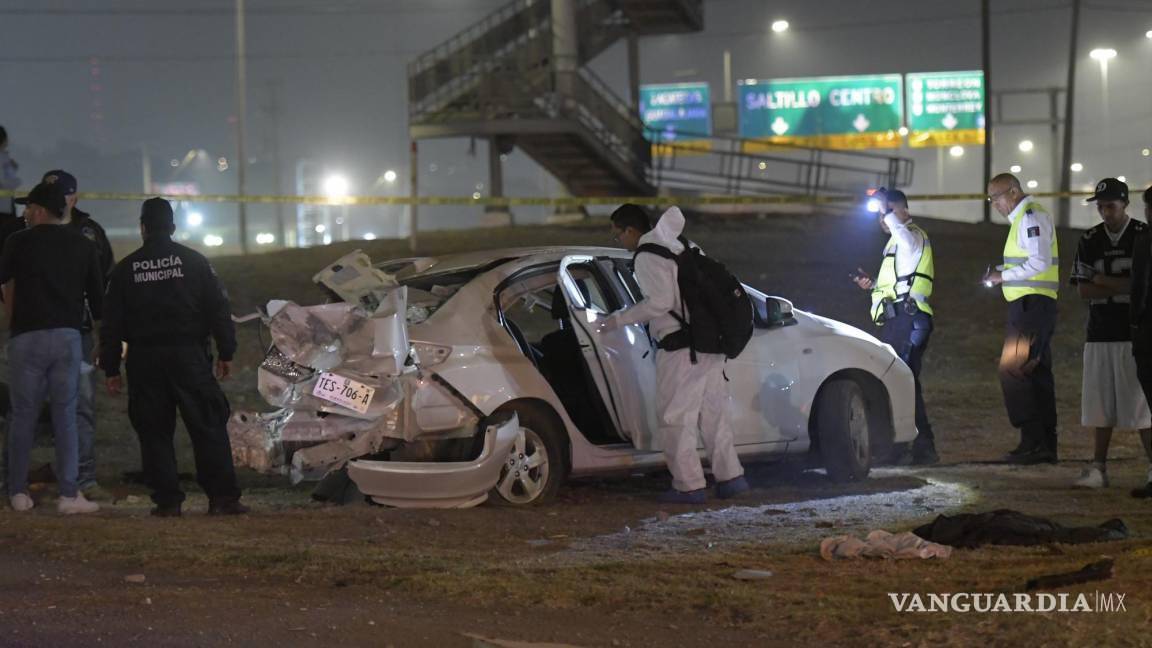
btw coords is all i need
(526, 469)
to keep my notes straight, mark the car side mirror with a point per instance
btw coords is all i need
(773, 312)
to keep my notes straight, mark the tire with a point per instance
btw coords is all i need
(538, 462)
(842, 430)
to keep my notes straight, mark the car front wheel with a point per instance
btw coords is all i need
(842, 430)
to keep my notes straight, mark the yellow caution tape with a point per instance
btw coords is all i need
(567, 201)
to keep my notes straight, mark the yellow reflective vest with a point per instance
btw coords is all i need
(891, 288)
(1046, 283)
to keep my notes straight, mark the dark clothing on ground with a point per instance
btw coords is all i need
(55, 269)
(1108, 316)
(1026, 365)
(908, 335)
(1007, 527)
(162, 380)
(165, 294)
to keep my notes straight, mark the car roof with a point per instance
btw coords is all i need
(416, 267)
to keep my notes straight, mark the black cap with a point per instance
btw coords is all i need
(66, 180)
(47, 195)
(1110, 189)
(156, 216)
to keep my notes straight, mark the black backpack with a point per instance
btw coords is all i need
(719, 311)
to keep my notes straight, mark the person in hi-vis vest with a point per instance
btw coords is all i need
(1029, 278)
(900, 307)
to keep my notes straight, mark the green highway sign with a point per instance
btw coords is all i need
(676, 111)
(829, 112)
(945, 108)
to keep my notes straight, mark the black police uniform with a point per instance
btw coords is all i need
(1140, 313)
(165, 301)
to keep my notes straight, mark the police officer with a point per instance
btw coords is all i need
(1141, 324)
(900, 307)
(1029, 278)
(165, 301)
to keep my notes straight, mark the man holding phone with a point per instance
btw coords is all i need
(900, 307)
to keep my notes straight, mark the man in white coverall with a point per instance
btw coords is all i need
(692, 398)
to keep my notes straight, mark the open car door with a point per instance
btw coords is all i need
(622, 362)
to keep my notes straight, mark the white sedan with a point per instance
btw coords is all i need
(439, 381)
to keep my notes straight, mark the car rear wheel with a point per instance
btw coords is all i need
(537, 463)
(842, 430)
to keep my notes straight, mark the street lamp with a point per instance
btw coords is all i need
(1015, 168)
(956, 151)
(1077, 167)
(780, 26)
(1103, 54)
(1025, 146)
(195, 219)
(389, 176)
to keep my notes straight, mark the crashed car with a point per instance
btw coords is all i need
(435, 382)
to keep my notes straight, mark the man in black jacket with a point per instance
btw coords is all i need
(83, 223)
(1141, 314)
(165, 301)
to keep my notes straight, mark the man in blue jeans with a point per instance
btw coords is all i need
(47, 271)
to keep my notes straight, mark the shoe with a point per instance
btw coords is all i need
(897, 455)
(76, 505)
(673, 496)
(731, 488)
(21, 502)
(96, 493)
(924, 454)
(1043, 453)
(1145, 491)
(1092, 477)
(166, 511)
(231, 507)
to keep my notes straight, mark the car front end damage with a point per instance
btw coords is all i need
(354, 393)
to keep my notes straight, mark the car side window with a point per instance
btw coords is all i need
(626, 273)
(595, 294)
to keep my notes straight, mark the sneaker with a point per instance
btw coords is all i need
(75, 505)
(166, 511)
(21, 502)
(1092, 477)
(731, 488)
(924, 454)
(96, 493)
(232, 507)
(673, 496)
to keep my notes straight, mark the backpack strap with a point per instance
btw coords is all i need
(682, 316)
(653, 248)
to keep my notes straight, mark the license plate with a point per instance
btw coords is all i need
(344, 392)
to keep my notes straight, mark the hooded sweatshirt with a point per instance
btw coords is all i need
(657, 279)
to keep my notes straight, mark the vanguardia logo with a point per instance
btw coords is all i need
(1089, 602)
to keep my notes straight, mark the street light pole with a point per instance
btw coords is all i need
(986, 55)
(241, 109)
(1064, 205)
